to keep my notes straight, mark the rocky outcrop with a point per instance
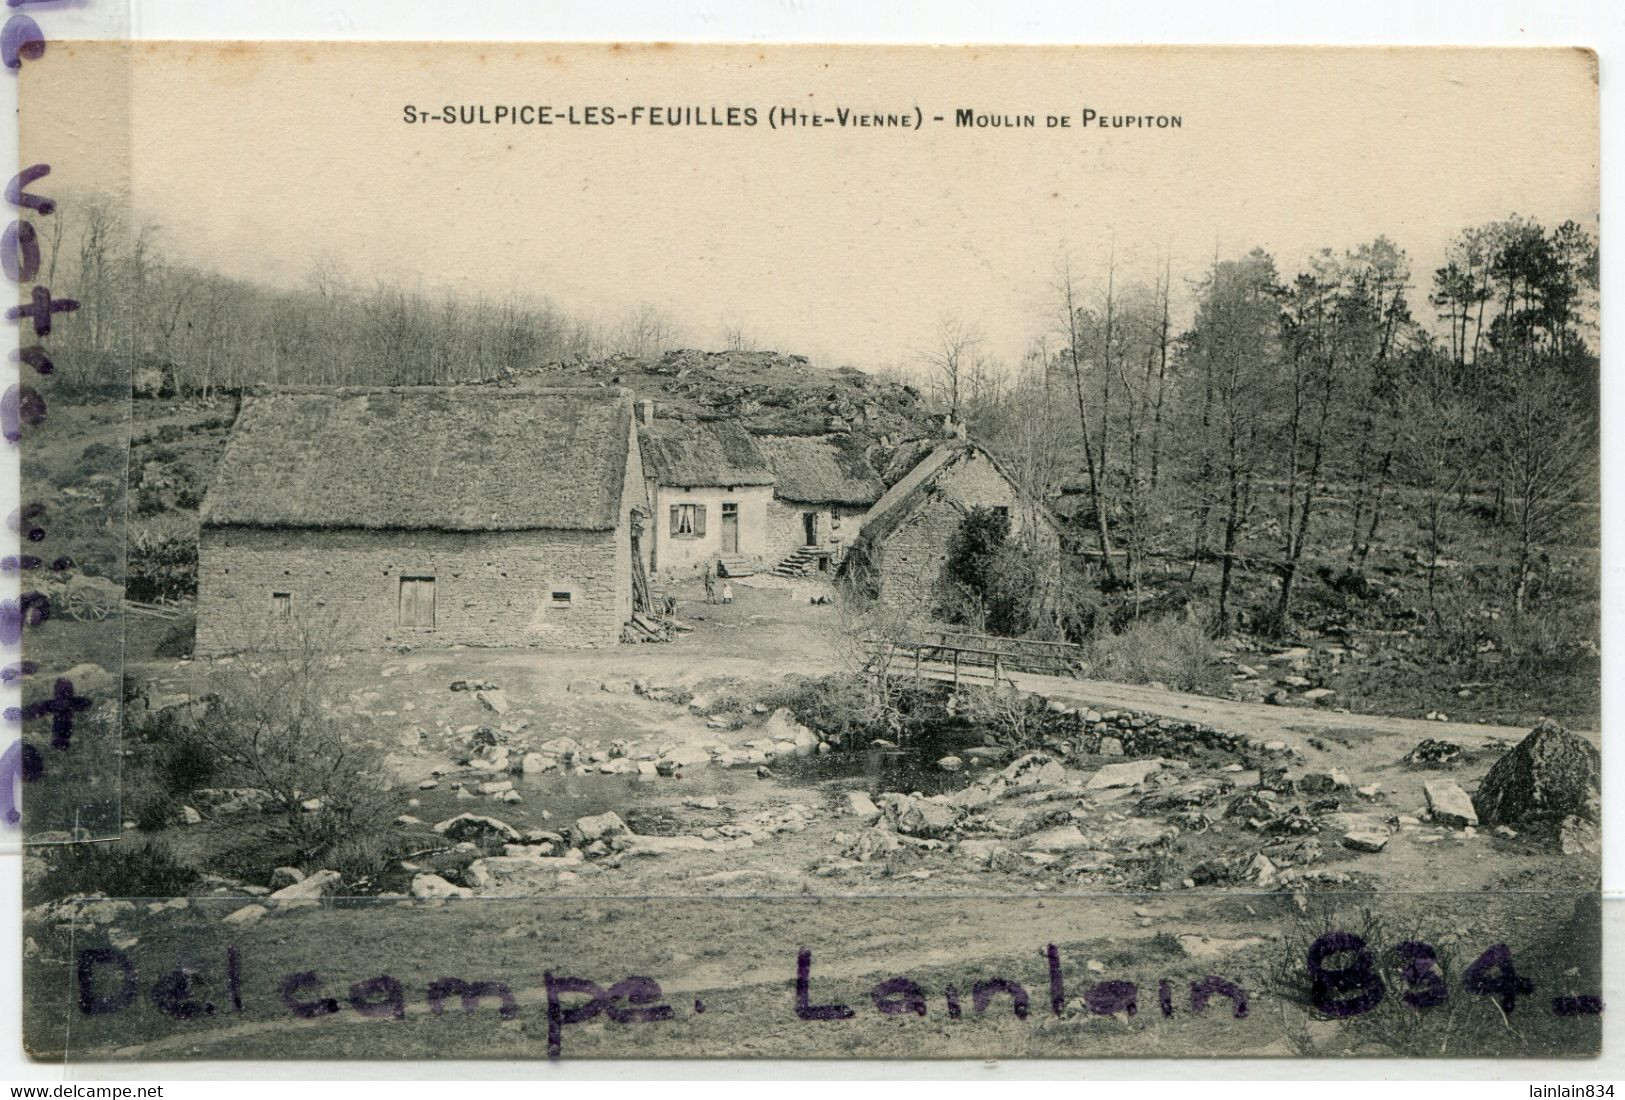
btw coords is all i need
(1548, 776)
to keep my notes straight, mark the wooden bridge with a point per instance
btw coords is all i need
(956, 656)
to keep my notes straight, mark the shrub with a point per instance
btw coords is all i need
(179, 637)
(145, 869)
(270, 728)
(1174, 651)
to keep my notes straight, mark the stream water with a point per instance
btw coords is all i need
(814, 779)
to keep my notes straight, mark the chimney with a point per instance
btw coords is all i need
(646, 412)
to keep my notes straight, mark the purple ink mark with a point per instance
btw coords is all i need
(34, 355)
(1582, 1005)
(18, 197)
(895, 996)
(469, 994)
(173, 996)
(61, 706)
(21, 405)
(17, 670)
(983, 992)
(26, 515)
(1057, 984)
(234, 977)
(1332, 984)
(89, 1002)
(1421, 969)
(805, 1009)
(20, 38)
(293, 984)
(1505, 984)
(20, 762)
(699, 1006)
(31, 609)
(40, 307)
(16, 563)
(19, 237)
(1110, 998)
(1203, 990)
(380, 998)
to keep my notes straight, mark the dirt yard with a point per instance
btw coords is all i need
(657, 814)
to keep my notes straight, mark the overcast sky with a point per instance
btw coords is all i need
(850, 244)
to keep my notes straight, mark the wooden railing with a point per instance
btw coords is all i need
(948, 655)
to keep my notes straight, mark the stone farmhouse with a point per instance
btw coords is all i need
(821, 490)
(711, 489)
(425, 515)
(905, 537)
(722, 496)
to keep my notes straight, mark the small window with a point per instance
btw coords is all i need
(281, 606)
(688, 521)
(417, 602)
(560, 599)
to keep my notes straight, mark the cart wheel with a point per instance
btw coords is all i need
(88, 605)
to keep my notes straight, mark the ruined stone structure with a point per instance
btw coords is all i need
(904, 539)
(423, 515)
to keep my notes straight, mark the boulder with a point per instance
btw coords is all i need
(493, 701)
(309, 888)
(534, 763)
(1129, 774)
(1111, 746)
(92, 681)
(1550, 775)
(927, 817)
(433, 886)
(861, 806)
(1324, 782)
(247, 915)
(496, 786)
(584, 686)
(950, 763)
(1365, 841)
(686, 756)
(560, 746)
(1578, 836)
(286, 876)
(1062, 838)
(599, 826)
(189, 816)
(473, 827)
(1448, 804)
(1433, 753)
(1261, 871)
(1035, 769)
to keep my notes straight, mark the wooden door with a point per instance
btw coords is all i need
(417, 602)
(730, 528)
(809, 525)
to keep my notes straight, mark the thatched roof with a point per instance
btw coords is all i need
(906, 493)
(819, 470)
(914, 487)
(471, 458)
(719, 452)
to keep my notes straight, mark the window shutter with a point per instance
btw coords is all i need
(674, 513)
(699, 521)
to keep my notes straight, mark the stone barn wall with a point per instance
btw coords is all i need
(836, 525)
(491, 588)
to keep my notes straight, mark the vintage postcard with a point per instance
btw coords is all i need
(607, 551)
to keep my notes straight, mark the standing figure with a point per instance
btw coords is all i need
(727, 592)
(710, 585)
